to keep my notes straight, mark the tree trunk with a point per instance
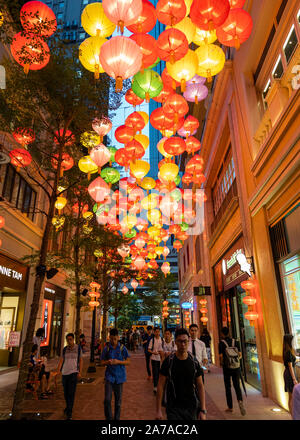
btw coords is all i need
(37, 290)
(77, 278)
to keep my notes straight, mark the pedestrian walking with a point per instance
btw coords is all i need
(289, 360)
(115, 356)
(135, 340)
(180, 376)
(146, 338)
(155, 348)
(37, 339)
(197, 348)
(206, 339)
(230, 355)
(70, 365)
(169, 345)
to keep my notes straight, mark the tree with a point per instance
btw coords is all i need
(60, 97)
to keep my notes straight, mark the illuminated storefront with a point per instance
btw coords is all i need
(228, 276)
(13, 285)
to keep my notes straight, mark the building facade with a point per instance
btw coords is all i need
(250, 145)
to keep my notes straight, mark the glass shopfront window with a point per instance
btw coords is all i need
(290, 270)
(8, 317)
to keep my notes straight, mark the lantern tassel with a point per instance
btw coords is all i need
(121, 26)
(211, 26)
(172, 57)
(183, 85)
(96, 74)
(209, 77)
(237, 43)
(147, 96)
(26, 69)
(119, 84)
(196, 99)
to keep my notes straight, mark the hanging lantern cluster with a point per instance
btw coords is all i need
(94, 295)
(29, 47)
(249, 286)
(165, 309)
(187, 318)
(203, 311)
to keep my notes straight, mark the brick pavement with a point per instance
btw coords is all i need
(138, 398)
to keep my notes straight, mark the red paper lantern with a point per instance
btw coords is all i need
(168, 81)
(236, 3)
(249, 300)
(66, 163)
(132, 98)
(170, 12)
(160, 120)
(172, 45)
(124, 134)
(2, 221)
(134, 150)
(30, 51)
(20, 157)
(98, 190)
(174, 146)
(194, 164)
(146, 21)
(38, 18)
(251, 316)
(121, 158)
(192, 144)
(191, 124)
(204, 319)
(135, 121)
(148, 46)
(236, 29)
(187, 178)
(209, 14)
(177, 245)
(164, 94)
(24, 136)
(68, 140)
(177, 106)
(248, 284)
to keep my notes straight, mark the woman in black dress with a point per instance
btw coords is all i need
(289, 360)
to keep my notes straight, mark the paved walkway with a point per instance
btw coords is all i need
(138, 398)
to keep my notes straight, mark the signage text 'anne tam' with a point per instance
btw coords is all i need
(11, 273)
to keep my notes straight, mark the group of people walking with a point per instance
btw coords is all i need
(175, 365)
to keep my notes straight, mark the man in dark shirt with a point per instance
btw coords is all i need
(182, 373)
(229, 373)
(146, 338)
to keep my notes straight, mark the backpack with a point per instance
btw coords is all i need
(231, 356)
(152, 339)
(107, 347)
(64, 353)
(169, 388)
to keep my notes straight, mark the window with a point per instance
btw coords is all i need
(61, 5)
(85, 2)
(278, 69)
(82, 36)
(18, 192)
(59, 16)
(224, 182)
(290, 44)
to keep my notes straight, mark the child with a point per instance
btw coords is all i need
(45, 376)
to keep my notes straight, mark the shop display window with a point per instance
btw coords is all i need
(8, 318)
(291, 283)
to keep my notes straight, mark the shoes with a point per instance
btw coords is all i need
(149, 377)
(229, 410)
(155, 390)
(44, 396)
(242, 409)
(65, 411)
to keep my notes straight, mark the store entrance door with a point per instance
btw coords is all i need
(56, 329)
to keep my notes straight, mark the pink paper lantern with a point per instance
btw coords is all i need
(100, 155)
(98, 190)
(102, 126)
(122, 13)
(195, 93)
(120, 58)
(196, 80)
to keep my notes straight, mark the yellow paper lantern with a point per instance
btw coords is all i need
(148, 183)
(202, 37)
(188, 4)
(211, 60)
(159, 250)
(89, 54)
(160, 147)
(167, 133)
(187, 27)
(60, 203)
(142, 139)
(154, 216)
(153, 231)
(90, 139)
(169, 171)
(86, 165)
(139, 169)
(58, 221)
(145, 116)
(95, 22)
(88, 215)
(184, 69)
(130, 221)
(149, 202)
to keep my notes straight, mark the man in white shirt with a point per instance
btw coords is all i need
(169, 345)
(196, 347)
(156, 350)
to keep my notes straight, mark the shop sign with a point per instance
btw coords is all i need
(186, 305)
(47, 289)
(14, 339)
(12, 274)
(202, 291)
(237, 257)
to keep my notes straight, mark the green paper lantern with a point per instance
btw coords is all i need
(184, 226)
(147, 84)
(176, 194)
(110, 175)
(112, 153)
(177, 180)
(131, 234)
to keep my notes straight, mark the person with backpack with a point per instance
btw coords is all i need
(169, 345)
(230, 355)
(180, 376)
(115, 358)
(155, 348)
(70, 366)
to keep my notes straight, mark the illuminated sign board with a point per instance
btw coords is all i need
(186, 305)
